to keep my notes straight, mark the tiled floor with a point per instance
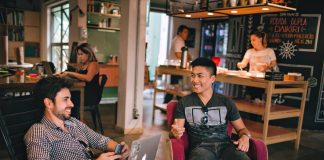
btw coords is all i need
(311, 147)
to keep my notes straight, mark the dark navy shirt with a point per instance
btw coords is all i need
(220, 110)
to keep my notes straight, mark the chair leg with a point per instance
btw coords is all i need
(94, 116)
(116, 107)
(99, 118)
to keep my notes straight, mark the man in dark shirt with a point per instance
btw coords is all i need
(60, 136)
(205, 114)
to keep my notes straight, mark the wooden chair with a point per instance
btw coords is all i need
(94, 109)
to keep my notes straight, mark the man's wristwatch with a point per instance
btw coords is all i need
(247, 134)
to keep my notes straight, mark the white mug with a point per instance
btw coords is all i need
(233, 3)
(251, 2)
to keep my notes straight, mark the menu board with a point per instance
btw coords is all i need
(292, 31)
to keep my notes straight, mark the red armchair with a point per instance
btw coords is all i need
(257, 151)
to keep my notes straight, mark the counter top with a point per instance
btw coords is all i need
(15, 65)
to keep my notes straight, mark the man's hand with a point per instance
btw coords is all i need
(242, 143)
(109, 156)
(177, 131)
(125, 151)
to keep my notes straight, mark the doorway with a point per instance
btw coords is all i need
(157, 31)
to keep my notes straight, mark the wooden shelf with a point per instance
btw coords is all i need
(204, 14)
(173, 71)
(276, 111)
(262, 8)
(104, 29)
(275, 133)
(279, 86)
(253, 82)
(22, 28)
(15, 26)
(104, 15)
(254, 9)
(173, 91)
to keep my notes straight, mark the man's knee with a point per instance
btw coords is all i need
(201, 154)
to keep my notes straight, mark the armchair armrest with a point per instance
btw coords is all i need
(179, 147)
(258, 150)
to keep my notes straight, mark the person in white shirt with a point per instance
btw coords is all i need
(175, 54)
(178, 42)
(260, 58)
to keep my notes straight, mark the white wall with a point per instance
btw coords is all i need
(176, 22)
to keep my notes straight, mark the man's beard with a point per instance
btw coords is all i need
(62, 116)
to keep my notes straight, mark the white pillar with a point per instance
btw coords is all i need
(131, 66)
(78, 22)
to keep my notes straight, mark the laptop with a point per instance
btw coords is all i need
(145, 149)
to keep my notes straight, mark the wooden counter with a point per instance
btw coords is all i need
(112, 72)
(262, 130)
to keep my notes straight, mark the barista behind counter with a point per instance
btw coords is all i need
(260, 59)
(175, 54)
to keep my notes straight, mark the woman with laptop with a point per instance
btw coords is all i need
(88, 72)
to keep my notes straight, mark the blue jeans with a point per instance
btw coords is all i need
(217, 151)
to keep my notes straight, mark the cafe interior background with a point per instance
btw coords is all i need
(130, 43)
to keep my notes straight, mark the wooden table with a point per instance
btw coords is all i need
(21, 83)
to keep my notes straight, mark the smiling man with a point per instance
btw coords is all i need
(205, 114)
(60, 136)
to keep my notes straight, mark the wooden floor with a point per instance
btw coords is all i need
(311, 147)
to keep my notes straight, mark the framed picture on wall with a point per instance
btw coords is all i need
(190, 42)
(32, 49)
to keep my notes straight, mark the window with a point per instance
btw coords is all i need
(59, 37)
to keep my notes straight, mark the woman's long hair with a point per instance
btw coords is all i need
(85, 48)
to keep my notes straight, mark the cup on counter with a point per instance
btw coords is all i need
(113, 59)
(251, 2)
(233, 3)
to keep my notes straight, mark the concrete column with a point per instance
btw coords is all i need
(131, 66)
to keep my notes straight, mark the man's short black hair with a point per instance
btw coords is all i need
(181, 28)
(48, 88)
(205, 62)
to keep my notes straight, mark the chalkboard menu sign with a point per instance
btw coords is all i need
(292, 31)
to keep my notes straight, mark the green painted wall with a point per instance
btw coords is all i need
(109, 92)
(107, 43)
